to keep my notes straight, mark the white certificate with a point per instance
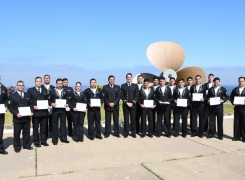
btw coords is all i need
(67, 109)
(182, 102)
(148, 103)
(81, 106)
(239, 100)
(95, 102)
(2, 109)
(25, 111)
(197, 96)
(42, 104)
(60, 103)
(214, 101)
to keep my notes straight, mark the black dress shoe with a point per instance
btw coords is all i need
(99, 137)
(92, 138)
(65, 141)
(176, 135)
(209, 137)
(28, 148)
(3, 152)
(37, 145)
(44, 144)
(158, 136)
(243, 140)
(220, 138)
(235, 139)
(193, 135)
(184, 136)
(168, 135)
(133, 135)
(117, 135)
(76, 140)
(142, 136)
(150, 135)
(106, 136)
(55, 144)
(81, 140)
(125, 136)
(17, 150)
(201, 136)
(70, 135)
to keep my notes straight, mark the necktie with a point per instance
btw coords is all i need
(129, 84)
(111, 86)
(21, 94)
(39, 90)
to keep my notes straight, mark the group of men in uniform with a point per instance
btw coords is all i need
(164, 98)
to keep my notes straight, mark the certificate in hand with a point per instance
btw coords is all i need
(182, 102)
(42, 104)
(95, 102)
(2, 109)
(148, 103)
(60, 103)
(197, 96)
(239, 100)
(214, 101)
(25, 111)
(81, 106)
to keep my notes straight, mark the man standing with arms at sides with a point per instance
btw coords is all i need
(129, 96)
(163, 96)
(111, 95)
(40, 116)
(16, 100)
(197, 106)
(94, 116)
(155, 86)
(188, 86)
(138, 108)
(68, 91)
(239, 111)
(3, 100)
(146, 93)
(206, 116)
(172, 105)
(59, 112)
(181, 93)
(48, 87)
(216, 110)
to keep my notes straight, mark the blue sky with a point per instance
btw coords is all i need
(93, 39)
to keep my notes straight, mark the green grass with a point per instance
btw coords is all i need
(228, 108)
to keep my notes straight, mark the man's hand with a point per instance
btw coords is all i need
(221, 100)
(208, 101)
(202, 100)
(111, 105)
(35, 107)
(53, 104)
(152, 107)
(129, 104)
(18, 115)
(31, 114)
(66, 105)
(142, 105)
(175, 101)
(75, 109)
(6, 109)
(85, 110)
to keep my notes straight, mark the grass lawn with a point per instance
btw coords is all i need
(228, 110)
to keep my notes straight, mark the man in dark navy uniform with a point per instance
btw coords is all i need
(17, 100)
(129, 96)
(138, 108)
(216, 110)
(111, 96)
(3, 100)
(239, 111)
(154, 86)
(188, 86)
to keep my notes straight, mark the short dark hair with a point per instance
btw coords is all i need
(20, 81)
(155, 77)
(146, 80)
(217, 79)
(211, 75)
(128, 74)
(111, 76)
(198, 76)
(78, 83)
(59, 79)
(181, 79)
(162, 78)
(139, 76)
(92, 80)
(46, 75)
(64, 79)
(189, 78)
(241, 77)
(38, 77)
(172, 78)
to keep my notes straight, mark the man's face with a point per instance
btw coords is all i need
(65, 83)
(241, 82)
(181, 84)
(111, 80)
(210, 79)
(38, 82)
(189, 82)
(46, 79)
(156, 82)
(162, 82)
(93, 84)
(216, 83)
(146, 85)
(140, 80)
(129, 78)
(78, 87)
(198, 80)
(59, 84)
(20, 86)
(172, 82)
